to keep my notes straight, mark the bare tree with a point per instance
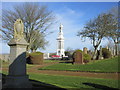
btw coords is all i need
(39, 42)
(36, 18)
(97, 29)
(114, 33)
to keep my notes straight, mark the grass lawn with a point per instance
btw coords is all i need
(106, 65)
(73, 82)
(48, 61)
(6, 64)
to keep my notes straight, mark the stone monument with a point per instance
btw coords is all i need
(85, 50)
(17, 77)
(78, 57)
(60, 39)
(17, 44)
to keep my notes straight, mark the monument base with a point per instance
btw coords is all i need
(21, 81)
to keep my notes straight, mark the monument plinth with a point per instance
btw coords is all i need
(17, 77)
(17, 48)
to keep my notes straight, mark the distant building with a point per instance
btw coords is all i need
(60, 40)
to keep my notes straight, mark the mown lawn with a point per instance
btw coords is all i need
(106, 65)
(48, 61)
(73, 81)
(6, 64)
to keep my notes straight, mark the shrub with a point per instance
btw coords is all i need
(35, 53)
(69, 54)
(86, 57)
(35, 58)
(106, 53)
(79, 50)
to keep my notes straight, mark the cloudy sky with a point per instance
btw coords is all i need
(73, 16)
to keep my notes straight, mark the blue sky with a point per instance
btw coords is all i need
(73, 16)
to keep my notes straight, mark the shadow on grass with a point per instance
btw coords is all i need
(35, 84)
(102, 87)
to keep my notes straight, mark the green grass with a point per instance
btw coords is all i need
(48, 61)
(29, 65)
(106, 65)
(4, 64)
(72, 81)
(5, 72)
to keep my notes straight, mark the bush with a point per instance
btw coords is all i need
(79, 50)
(106, 53)
(69, 54)
(87, 57)
(35, 58)
(35, 53)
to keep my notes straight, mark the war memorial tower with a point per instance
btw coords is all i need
(60, 40)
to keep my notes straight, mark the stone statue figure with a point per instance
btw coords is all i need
(18, 29)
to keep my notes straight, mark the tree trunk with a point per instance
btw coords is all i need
(95, 53)
(27, 49)
(116, 49)
(33, 50)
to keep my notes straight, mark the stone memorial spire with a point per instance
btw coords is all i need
(60, 40)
